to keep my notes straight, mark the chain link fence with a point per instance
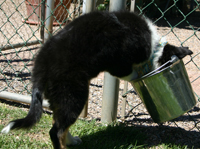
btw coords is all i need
(21, 35)
(22, 26)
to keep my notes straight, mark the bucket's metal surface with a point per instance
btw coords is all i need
(167, 94)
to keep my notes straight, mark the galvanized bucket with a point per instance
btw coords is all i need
(166, 92)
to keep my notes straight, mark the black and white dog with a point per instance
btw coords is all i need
(121, 43)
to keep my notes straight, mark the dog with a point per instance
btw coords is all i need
(121, 43)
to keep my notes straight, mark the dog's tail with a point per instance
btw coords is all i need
(33, 116)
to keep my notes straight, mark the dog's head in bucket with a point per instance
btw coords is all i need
(170, 50)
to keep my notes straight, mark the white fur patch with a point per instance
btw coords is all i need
(155, 40)
(7, 128)
(159, 53)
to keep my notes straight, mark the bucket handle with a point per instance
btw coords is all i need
(174, 59)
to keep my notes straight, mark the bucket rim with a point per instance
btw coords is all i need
(174, 60)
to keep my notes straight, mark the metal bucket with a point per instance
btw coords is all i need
(166, 92)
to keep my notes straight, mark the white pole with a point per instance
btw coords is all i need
(110, 98)
(117, 5)
(124, 100)
(88, 6)
(20, 98)
(49, 20)
(132, 6)
(111, 84)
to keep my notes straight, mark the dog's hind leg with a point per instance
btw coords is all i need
(70, 101)
(62, 139)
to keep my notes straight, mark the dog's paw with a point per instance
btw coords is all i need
(76, 141)
(71, 141)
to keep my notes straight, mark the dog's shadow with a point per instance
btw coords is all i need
(136, 136)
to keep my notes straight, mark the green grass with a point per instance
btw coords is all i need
(114, 136)
(93, 134)
(37, 137)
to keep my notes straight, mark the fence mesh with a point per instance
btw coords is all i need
(22, 28)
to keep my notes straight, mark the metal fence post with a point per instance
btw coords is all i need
(123, 112)
(116, 5)
(49, 20)
(132, 8)
(111, 84)
(88, 6)
(110, 98)
(42, 20)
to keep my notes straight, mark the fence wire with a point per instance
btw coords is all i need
(22, 26)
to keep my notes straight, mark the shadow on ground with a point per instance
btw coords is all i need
(137, 136)
(140, 137)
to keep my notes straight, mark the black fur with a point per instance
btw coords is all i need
(53, 136)
(170, 50)
(95, 42)
(34, 114)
